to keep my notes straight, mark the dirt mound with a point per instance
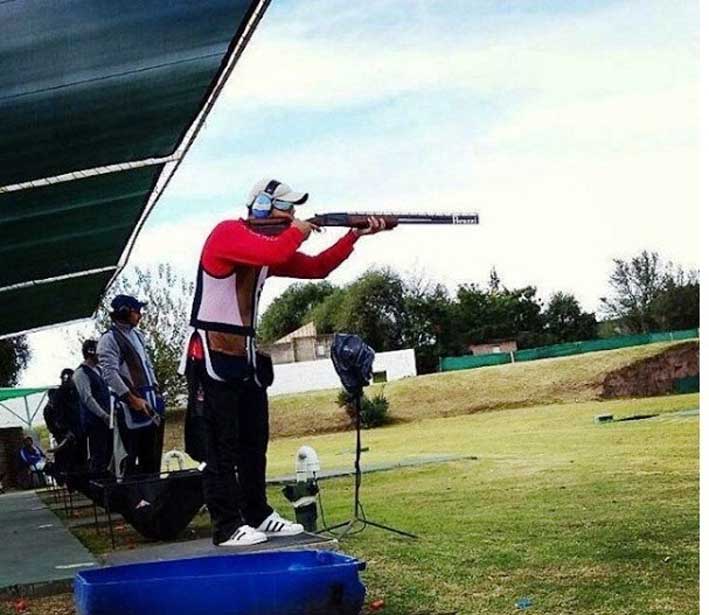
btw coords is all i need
(654, 375)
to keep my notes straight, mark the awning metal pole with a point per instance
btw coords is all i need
(27, 411)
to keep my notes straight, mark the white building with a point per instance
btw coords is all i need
(317, 375)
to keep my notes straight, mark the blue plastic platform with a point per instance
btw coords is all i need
(273, 583)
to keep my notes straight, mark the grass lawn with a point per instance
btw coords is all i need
(576, 517)
(548, 381)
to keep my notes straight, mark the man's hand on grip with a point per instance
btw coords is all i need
(305, 227)
(138, 404)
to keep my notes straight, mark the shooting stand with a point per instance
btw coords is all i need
(357, 374)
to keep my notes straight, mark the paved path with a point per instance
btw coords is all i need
(37, 552)
(204, 547)
(411, 462)
(39, 555)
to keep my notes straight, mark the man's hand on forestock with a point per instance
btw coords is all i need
(305, 227)
(375, 226)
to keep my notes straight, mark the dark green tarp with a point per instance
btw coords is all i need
(45, 304)
(85, 85)
(71, 226)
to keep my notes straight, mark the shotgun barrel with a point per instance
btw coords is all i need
(274, 226)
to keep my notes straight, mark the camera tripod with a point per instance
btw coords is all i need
(359, 520)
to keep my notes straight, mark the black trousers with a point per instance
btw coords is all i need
(236, 425)
(100, 447)
(144, 448)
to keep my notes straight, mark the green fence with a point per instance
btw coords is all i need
(690, 384)
(448, 364)
(469, 361)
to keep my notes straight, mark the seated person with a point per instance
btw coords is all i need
(34, 459)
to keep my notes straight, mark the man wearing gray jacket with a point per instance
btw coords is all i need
(138, 406)
(95, 402)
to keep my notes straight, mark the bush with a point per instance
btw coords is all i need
(375, 411)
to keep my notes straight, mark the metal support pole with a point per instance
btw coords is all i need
(359, 517)
(27, 412)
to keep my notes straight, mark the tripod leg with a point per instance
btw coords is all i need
(359, 516)
(334, 527)
(381, 526)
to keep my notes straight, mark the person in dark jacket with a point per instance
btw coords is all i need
(95, 401)
(138, 406)
(62, 415)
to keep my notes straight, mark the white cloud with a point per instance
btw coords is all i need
(586, 149)
(622, 47)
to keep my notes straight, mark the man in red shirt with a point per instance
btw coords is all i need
(227, 376)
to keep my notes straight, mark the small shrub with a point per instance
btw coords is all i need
(375, 411)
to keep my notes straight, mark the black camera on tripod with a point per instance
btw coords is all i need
(353, 361)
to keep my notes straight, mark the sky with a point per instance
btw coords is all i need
(571, 127)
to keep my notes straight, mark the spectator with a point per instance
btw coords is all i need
(130, 377)
(34, 459)
(62, 417)
(95, 402)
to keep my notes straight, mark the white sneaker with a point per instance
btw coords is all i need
(244, 536)
(275, 525)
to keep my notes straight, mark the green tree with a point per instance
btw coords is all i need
(374, 308)
(430, 325)
(292, 309)
(635, 284)
(676, 305)
(325, 314)
(164, 323)
(475, 309)
(648, 294)
(391, 313)
(494, 283)
(14, 357)
(566, 322)
(500, 313)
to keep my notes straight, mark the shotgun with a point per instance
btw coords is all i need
(275, 226)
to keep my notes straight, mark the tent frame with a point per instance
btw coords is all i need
(30, 415)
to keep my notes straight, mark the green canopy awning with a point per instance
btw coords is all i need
(63, 300)
(20, 410)
(87, 83)
(85, 224)
(99, 102)
(6, 394)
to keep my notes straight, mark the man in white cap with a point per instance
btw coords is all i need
(227, 376)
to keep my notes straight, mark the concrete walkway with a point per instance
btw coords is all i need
(37, 553)
(410, 462)
(204, 548)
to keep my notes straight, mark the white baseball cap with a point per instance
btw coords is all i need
(277, 191)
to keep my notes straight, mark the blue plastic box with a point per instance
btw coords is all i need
(271, 583)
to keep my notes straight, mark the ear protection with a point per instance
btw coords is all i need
(121, 314)
(263, 203)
